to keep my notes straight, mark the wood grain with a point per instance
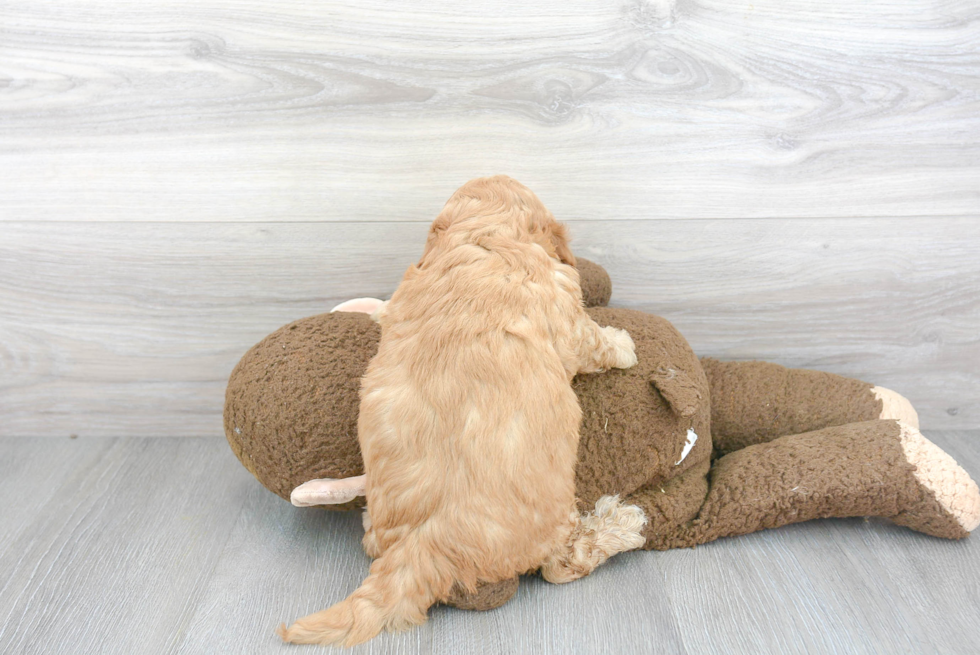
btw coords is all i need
(169, 546)
(228, 110)
(117, 555)
(112, 329)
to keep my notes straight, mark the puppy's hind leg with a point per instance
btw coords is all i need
(612, 528)
(370, 540)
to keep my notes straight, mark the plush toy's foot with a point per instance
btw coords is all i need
(895, 406)
(949, 505)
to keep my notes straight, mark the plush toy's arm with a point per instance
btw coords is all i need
(328, 491)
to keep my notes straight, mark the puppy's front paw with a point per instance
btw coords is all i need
(621, 344)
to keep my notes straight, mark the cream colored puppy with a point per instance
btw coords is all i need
(468, 423)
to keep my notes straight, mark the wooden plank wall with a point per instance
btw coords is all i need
(791, 181)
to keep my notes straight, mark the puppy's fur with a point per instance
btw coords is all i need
(468, 424)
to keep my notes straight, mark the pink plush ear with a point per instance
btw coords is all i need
(327, 491)
(363, 305)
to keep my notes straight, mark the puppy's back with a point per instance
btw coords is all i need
(468, 425)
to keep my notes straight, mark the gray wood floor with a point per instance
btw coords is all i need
(167, 545)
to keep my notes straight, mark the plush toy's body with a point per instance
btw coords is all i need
(707, 449)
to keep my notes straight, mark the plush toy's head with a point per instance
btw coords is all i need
(292, 400)
(595, 283)
(291, 404)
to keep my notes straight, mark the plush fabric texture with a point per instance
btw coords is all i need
(486, 596)
(635, 421)
(851, 470)
(752, 402)
(595, 283)
(293, 394)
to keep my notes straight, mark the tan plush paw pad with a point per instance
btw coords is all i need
(896, 406)
(937, 471)
(327, 491)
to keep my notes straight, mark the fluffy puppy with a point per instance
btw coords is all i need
(468, 423)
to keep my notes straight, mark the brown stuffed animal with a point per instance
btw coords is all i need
(707, 449)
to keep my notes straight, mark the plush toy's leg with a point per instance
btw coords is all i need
(755, 402)
(594, 538)
(877, 468)
(672, 507)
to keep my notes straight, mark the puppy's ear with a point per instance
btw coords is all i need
(441, 224)
(558, 234)
(436, 231)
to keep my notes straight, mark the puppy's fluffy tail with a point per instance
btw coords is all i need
(400, 588)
